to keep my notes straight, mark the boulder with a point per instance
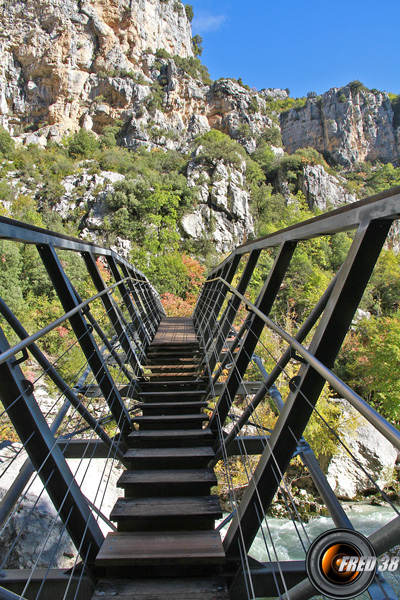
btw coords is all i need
(32, 535)
(374, 457)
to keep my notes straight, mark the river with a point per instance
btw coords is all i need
(286, 544)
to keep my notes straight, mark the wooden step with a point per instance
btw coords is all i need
(165, 395)
(157, 352)
(168, 438)
(175, 356)
(170, 363)
(166, 513)
(160, 551)
(171, 408)
(205, 588)
(168, 458)
(176, 367)
(167, 482)
(171, 346)
(169, 386)
(164, 422)
(161, 377)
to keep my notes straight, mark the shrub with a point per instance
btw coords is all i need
(193, 68)
(273, 136)
(162, 53)
(253, 106)
(178, 7)
(218, 146)
(342, 97)
(6, 143)
(82, 144)
(244, 130)
(154, 101)
(357, 87)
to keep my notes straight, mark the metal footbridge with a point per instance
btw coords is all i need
(117, 477)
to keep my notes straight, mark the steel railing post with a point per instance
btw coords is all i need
(113, 312)
(230, 312)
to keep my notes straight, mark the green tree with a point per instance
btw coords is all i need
(369, 362)
(189, 12)
(382, 178)
(384, 286)
(356, 86)
(10, 275)
(216, 145)
(197, 41)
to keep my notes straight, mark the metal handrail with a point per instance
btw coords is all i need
(380, 423)
(41, 332)
(385, 205)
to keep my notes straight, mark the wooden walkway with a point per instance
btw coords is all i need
(166, 546)
(175, 330)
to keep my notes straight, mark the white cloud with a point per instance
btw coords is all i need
(205, 23)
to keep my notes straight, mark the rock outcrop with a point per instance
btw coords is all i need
(324, 191)
(376, 457)
(86, 194)
(346, 125)
(223, 212)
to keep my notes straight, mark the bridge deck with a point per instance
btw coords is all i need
(166, 546)
(175, 331)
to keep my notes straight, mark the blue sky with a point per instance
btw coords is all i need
(304, 46)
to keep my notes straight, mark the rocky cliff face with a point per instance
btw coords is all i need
(61, 53)
(88, 64)
(375, 455)
(91, 63)
(324, 191)
(345, 125)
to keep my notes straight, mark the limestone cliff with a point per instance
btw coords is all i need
(347, 125)
(56, 54)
